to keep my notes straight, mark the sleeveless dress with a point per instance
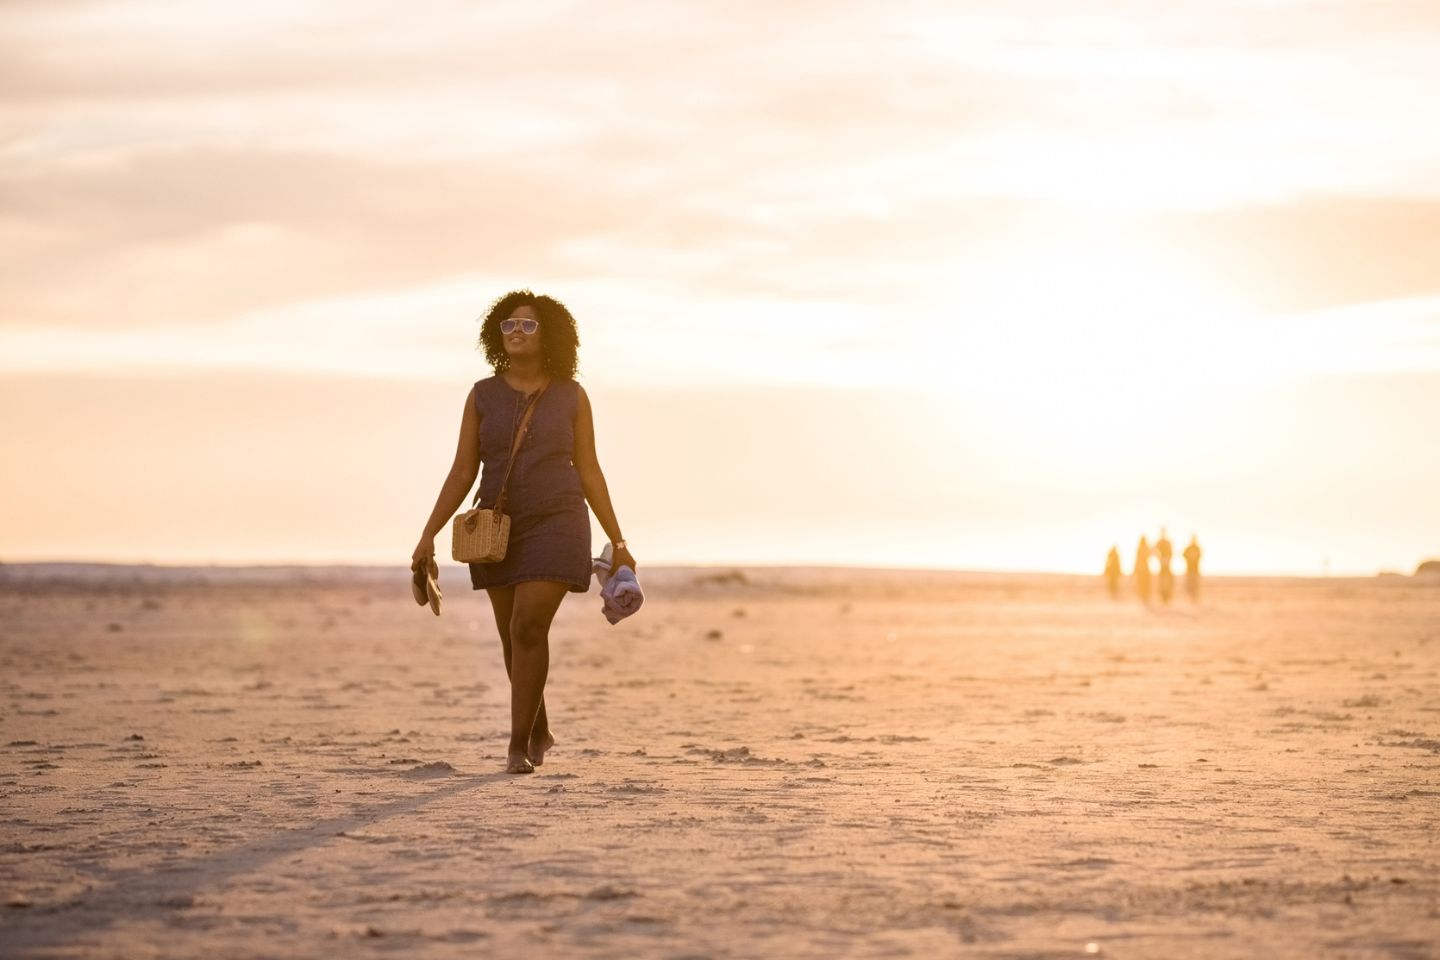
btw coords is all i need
(549, 518)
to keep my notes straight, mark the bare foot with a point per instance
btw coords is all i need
(518, 763)
(539, 746)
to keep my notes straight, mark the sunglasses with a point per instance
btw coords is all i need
(507, 327)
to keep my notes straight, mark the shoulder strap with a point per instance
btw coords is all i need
(520, 432)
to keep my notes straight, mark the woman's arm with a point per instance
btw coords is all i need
(457, 483)
(592, 480)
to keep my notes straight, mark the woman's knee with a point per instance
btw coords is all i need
(529, 630)
(535, 607)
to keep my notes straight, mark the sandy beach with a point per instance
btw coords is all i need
(774, 763)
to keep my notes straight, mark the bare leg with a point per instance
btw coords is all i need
(502, 601)
(534, 609)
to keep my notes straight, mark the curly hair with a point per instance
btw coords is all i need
(558, 336)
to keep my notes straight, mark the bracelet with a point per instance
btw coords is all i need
(618, 544)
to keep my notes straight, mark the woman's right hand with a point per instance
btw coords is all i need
(424, 554)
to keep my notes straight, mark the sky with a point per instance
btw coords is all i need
(978, 286)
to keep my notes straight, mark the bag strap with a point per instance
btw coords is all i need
(520, 432)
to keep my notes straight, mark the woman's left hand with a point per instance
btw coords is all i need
(623, 558)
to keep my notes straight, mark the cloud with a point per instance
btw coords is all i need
(1317, 252)
(337, 77)
(196, 237)
(187, 167)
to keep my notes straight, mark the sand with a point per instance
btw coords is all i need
(808, 764)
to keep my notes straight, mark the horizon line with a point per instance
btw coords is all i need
(829, 566)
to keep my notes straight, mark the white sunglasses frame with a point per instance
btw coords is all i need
(520, 325)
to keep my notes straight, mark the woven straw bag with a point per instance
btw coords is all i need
(481, 535)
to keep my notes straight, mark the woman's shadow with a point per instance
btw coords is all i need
(145, 892)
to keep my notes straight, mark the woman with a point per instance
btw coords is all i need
(531, 343)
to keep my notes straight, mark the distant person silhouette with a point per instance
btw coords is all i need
(1192, 569)
(1112, 571)
(1163, 551)
(1142, 570)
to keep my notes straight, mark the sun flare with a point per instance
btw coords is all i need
(1100, 344)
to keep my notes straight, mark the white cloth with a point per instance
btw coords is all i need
(620, 591)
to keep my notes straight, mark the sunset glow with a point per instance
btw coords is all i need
(1028, 281)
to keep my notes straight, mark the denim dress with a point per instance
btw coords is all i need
(549, 518)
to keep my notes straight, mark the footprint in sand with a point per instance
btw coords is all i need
(426, 771)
